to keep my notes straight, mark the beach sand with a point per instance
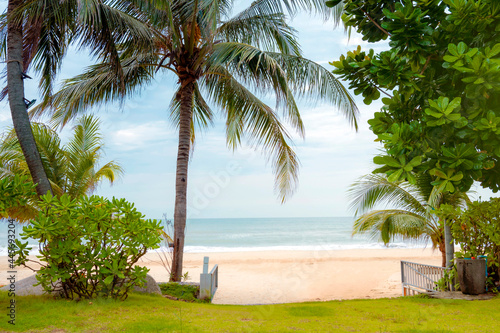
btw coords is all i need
(292, 276)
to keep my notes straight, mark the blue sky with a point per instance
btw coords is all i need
(223, 183)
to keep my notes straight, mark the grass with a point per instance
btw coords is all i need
(149, 313)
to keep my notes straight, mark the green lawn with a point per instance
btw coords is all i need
(147, 313)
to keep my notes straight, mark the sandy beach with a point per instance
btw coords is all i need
(292, 276)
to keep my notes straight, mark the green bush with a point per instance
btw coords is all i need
(477, 231)
(89, 247)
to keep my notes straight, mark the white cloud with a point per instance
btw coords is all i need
(354, 41)
(133, 137)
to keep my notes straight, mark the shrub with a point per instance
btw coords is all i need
(477, 231)
(89, 246)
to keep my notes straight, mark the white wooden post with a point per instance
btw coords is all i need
(205, 265)
(205, 281)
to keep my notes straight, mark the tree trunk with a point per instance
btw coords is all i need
(18, 110)
(449, 243)
(442, 248)
(181, 179)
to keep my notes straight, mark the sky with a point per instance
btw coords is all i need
(223, 183)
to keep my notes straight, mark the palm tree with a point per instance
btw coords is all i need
(218, 57)
(38, 33)
(411, 219)
(72, 168)
(18, 108)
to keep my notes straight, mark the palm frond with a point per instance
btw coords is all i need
(257, 68)
(3, 36)
(374, 189)
(96, 86)
(309, 79)
(110, 171)
(413, 217)
(212, 12)
(246, 114)
(423, 185)
(48, 29)
(270, 33)
(49, 146)
(86, 136)
(103, 27)
(385, 225)
(72, 168)
(292, 7)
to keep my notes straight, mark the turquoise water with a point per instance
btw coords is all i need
(262, 234)
(327, 233)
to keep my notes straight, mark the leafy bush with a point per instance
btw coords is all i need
(477, 231)
(89, 246)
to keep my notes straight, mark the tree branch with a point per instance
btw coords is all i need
(383, 92)
(373, 21)
(426, 64)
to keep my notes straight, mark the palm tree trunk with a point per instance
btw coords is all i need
(449, 243)
(442, 248)
(181, 179)
(18, 110)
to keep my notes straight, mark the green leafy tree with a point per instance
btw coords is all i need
(73, 168)
(440, 78)
(412, 213)
(441, 81)
(89, 246)
(218, 57)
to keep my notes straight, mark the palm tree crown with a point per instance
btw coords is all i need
(412, 217)
(72, 168)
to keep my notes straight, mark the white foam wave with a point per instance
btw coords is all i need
(325, 247)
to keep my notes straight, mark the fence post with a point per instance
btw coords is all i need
(205, 265)
(403, 279)
(205, 281)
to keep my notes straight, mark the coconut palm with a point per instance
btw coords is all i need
(15, 84)
(217, 59)
(37, 35)
(73, 168)
(412, 216)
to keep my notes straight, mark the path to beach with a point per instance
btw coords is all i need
(294, 276)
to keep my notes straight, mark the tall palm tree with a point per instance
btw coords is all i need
(18, 108)
(218, 57)
(74, 168)
(38, 33)
(412, 216)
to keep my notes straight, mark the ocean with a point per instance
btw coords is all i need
(265, 234)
